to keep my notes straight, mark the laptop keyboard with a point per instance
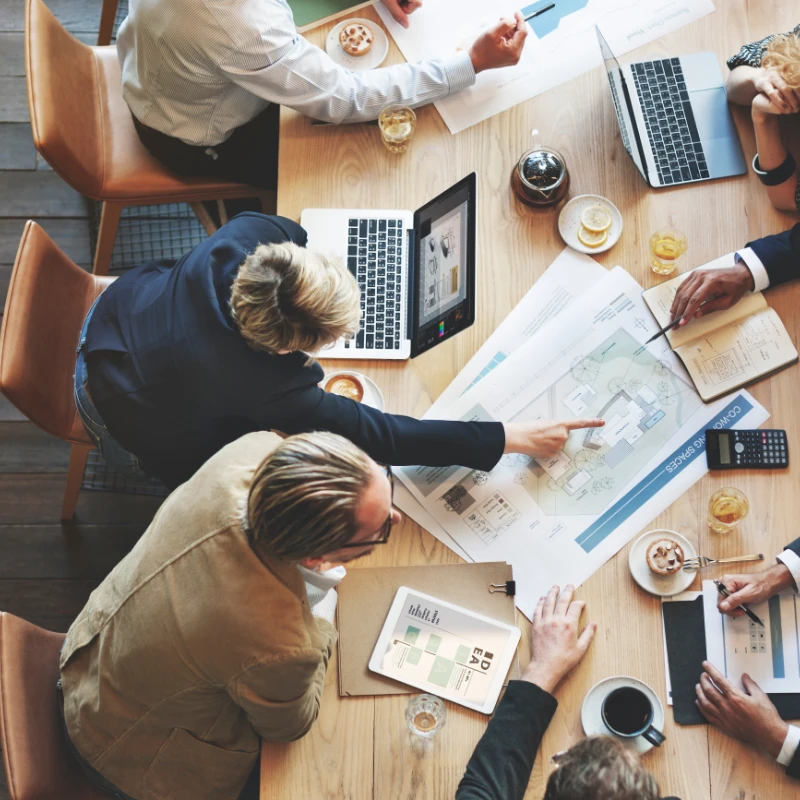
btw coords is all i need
(375, 258)
(669, 120)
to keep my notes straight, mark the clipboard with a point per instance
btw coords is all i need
(685, 635)
(366, 596)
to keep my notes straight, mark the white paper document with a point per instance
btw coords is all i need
(769, 655)
(445, 649)
(561, 44)
(557, 520)
(567, 278)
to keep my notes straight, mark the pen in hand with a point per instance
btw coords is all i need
(723, 590)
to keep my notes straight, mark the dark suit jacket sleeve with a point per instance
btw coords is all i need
(392, 438)
(501, 765)
(793, 770)
(780, 255)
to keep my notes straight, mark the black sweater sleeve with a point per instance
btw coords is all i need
(501, 765)
(392, 438)
(780, 255)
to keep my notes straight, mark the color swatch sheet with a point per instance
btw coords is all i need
(561, 44)
(558, 520)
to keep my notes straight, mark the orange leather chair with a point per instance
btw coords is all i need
(83, 128)
(38, 764)
(48, 300)
(108, 16)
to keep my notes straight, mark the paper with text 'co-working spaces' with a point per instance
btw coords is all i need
(769, 655)
(568, 277)
(561, 44)
(558, 520)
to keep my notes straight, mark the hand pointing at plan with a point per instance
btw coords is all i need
(543, 438)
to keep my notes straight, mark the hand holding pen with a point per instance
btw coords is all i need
(723, 590)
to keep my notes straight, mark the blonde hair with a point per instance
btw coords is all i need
(783, 54)
(305, 495)
(285, 297)
(601, 768)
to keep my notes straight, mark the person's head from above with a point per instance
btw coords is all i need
(600, 768)
(317, 498)
(783, 55)
(286, 298)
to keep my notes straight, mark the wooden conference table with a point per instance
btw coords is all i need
(359, 748)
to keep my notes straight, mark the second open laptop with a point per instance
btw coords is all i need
(674, 118)
(416, 271)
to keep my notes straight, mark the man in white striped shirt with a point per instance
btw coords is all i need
(204, 80)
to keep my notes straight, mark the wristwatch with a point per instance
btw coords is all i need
(774, 177)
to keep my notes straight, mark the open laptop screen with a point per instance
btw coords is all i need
(617, 84)
(443, 283)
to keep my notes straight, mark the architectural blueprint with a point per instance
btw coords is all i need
(558, 520)
(561, 44)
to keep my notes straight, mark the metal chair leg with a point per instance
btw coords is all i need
(77, 463)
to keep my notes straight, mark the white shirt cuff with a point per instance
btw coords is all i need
(790, 744)
(459, 70)
(757, 269)
(791, 560)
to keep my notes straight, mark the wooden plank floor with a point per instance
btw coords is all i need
(47, 570)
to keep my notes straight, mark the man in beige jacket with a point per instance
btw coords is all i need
(202, 640)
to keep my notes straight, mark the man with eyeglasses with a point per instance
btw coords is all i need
(215, 631)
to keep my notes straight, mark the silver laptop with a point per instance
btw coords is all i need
(674, 118)
(416, 271)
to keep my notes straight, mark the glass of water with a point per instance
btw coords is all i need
(397, 124)
(425, 715)
(726, 509)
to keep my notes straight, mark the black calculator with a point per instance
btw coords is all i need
(761, 449)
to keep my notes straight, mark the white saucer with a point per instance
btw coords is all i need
(373, 397)
(592, 717)
(569, 222)
(662, 585)
(374, 57)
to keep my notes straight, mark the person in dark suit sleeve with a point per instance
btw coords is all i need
(596, 767)
(762, 263)
(178, 359)
(749, 715)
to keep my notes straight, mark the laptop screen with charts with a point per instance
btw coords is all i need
(674, 118)
(416, 271)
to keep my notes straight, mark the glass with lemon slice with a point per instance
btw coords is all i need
(667, 247)
(595, 225)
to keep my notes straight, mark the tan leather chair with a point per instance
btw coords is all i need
(108, 15)
(83, 128)
(38, 764)
(48, 300)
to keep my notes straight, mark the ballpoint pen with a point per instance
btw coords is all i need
(723, 590)
(673, 324)
(540, 11)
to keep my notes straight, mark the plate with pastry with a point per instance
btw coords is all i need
(656, 562)
(358, 44)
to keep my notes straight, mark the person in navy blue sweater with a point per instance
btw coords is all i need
(762, 263)
(179, 358)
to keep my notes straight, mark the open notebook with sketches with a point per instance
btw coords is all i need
(727, 349)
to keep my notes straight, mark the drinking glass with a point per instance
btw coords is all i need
(397, 124)
(667, 247)
(726, 508)
(425, 715)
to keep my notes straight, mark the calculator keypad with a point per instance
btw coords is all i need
(760, 449)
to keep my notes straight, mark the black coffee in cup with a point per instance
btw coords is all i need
(627, 711)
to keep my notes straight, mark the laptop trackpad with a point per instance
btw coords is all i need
(711, 115)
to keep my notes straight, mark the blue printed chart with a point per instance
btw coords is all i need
(561, 43)
(559, 519)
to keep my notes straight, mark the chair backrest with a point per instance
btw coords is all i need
(48, 299)
(63, 98)
(38, 764)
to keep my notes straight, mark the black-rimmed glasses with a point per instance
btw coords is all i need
(386, 530)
